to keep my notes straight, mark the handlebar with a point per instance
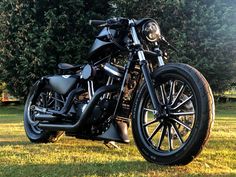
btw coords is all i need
(113, 22)
(97, 22)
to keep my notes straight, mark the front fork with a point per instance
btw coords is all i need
(146, 71)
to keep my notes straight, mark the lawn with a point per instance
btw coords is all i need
(72, 157)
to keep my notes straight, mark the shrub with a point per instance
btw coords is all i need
(203, 31)
(37, 35)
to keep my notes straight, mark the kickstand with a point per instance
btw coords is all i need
(111, 144)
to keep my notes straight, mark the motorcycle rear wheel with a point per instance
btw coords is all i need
(179, 136)
(33, 132)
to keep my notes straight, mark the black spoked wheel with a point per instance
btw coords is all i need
(187, 104)
(45, 99)
(170, 132)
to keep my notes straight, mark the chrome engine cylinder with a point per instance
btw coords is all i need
(113, 70)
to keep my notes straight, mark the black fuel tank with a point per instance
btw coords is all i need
(102, 47)
(61, 83)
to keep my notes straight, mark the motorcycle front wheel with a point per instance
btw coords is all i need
(187, 103)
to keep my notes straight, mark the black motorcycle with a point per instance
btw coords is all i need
(170, 107)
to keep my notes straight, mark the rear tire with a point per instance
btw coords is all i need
(178, 137)
(33, 132)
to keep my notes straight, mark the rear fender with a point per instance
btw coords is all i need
(36, 88)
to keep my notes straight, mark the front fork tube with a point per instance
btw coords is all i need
(145, 70)
(151, 90)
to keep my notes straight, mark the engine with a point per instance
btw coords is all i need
(99, 120)
(103, 111)
(99, 76)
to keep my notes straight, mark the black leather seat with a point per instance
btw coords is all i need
(68, 67)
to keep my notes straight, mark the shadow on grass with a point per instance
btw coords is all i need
(117, 168)
(111, 168)
(10, 143)
(80, 148)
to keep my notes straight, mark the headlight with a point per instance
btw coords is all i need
(151, 31)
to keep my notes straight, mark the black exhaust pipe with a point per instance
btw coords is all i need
(85, 114)
(45, 117)
(66, 107)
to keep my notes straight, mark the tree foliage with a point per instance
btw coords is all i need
(204, 31)
(37, 35)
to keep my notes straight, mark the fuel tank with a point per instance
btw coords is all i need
(61, 83)
(102, 45)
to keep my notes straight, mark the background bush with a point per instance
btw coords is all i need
(37, 35)
(204, 31)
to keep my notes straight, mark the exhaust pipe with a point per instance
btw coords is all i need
(65, 108)
(45, 117)
(52, 115)
(85, 114)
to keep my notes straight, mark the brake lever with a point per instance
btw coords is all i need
(169, 45)
(173, 48)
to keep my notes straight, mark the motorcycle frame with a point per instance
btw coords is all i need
(144, 65)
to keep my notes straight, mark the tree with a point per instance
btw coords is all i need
(37, 35)
(203, 30)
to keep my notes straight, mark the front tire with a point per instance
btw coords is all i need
(179, 136)
(33, 132)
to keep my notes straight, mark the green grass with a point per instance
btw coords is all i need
(72, 157)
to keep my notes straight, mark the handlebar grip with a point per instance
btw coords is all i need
(97, 22)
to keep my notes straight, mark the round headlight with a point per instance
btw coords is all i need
(151, 31)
